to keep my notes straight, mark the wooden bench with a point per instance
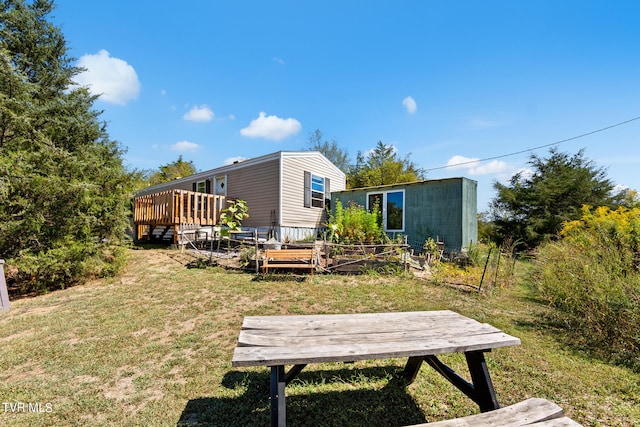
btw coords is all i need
(534, 412)
(290, 259)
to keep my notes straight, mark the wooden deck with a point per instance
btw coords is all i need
(176, 208)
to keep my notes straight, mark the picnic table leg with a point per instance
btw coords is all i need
(293, 372)
(412, 367)
(485, 394)
(278, 404)
(480, 390)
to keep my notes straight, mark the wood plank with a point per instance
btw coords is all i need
(270, 356)
(289, 266)
(343, 320)
(558, 422)
(309, 336)
(347, 327)
(363, 324)
(532, 412)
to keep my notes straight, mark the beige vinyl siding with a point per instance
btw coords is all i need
(294, 214)
(258, 185)
(258, 181)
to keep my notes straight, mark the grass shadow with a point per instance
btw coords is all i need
(359, 404)
(281, 277)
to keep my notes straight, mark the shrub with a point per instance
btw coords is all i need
(65, 265)
(354, 224)
(592, 275)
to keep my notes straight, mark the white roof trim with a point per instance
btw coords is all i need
(234, 166)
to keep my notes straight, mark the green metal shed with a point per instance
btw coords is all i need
(443, 209)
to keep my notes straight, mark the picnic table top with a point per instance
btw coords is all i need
(303, 339)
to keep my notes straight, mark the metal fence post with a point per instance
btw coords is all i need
(4, 296)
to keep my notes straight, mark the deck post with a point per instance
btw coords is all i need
(4, 295)
(255, 239)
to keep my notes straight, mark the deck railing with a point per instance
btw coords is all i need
(175, 207)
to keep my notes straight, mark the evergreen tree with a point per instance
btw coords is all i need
(65, 191)
(534, 206)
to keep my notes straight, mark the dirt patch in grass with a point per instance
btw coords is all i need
(24, 372)
(17, 335)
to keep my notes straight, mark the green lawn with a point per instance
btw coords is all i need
(154, 347)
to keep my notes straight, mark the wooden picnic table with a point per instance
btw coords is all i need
(276, 341)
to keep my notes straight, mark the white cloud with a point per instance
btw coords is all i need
(232, 160)
(199, 114)
(410, 105)
(461, 162)
(278, 60)
(184, 146)
(473, 166)
(113, 79)
(491, 168)
(525, 174)
(271, 127)
(620, 187)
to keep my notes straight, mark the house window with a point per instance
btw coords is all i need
(201, 186)
(316, 190)
(391, 207)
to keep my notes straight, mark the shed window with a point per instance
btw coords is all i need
(316, 189)
(391, 208)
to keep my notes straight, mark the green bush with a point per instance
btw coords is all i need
(593, 276)
(355, 225)
(65, 265)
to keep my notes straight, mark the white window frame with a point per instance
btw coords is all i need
(204, 186)
(316, 194)
(317, 191)
(220, 182)
(384, 209)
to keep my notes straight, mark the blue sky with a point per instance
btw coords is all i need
(444, 82)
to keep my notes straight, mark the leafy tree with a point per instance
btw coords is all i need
(534, 206)
(174, 170)
(65, 193)
(383, 166)
(629, 198)
(331, 150)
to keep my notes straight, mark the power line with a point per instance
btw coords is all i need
(535, 148)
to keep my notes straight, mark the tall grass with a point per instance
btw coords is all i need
(592, 275)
